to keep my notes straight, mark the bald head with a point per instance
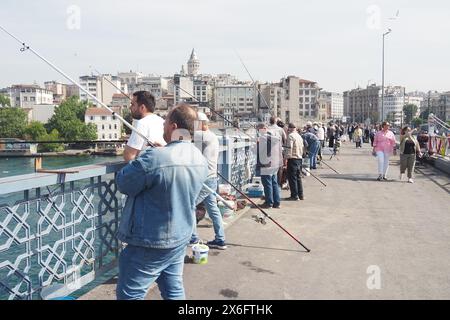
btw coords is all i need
(180, 123)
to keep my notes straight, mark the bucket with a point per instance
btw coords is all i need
(200, 253)
(224, 210)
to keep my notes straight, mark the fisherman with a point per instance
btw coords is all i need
(162, 186)
(269, 160)
(142, 108)
(294, 164)
(207, 142)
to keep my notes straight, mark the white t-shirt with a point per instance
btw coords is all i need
(321, 133)
(152, 126)
(208, 143)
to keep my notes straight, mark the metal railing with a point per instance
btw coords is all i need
(58, 231)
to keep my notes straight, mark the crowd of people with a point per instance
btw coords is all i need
(165, 184)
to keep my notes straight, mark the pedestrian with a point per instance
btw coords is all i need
(384, 147)
(311, 141)
(142, 108)
(409, 147)
(282, 173)
(331, 136)
(321, 136)
(157, 220)
(366, 134)
(294, 163)
(357, 136)
(280, 133)
(207, 142)
(373, 131)
(277, 130)
(269, 160)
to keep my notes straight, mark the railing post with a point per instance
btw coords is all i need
(37, 164)
(227, 157)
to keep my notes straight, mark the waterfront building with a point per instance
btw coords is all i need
(101, 88)
(156, 85)
(238, 99)
(109, 127)
(362, 105)
(26, 96)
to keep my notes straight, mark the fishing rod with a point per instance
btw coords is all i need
(322, 161)
(264, 212)
(26, 47)
(254, 83)
(151, 144)
(317, 178)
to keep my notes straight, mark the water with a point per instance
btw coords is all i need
(18, 166)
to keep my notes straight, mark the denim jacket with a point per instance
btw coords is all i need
(162, 186)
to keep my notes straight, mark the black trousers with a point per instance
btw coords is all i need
(294, 173)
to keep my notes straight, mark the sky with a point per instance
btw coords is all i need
(335, 43)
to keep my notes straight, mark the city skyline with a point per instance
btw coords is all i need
(338, 46)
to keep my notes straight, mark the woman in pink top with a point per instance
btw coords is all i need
(383, 146)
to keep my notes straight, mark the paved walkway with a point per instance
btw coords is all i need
(355, 227)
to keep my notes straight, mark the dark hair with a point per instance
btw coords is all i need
(404, 130)
(272, 120)
(291, 126)
(280, 124)
(184, 116)
(385, 123)
(145, 98)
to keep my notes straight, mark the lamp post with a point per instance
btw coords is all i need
(368, 101)
(401, 119)
(382, 76)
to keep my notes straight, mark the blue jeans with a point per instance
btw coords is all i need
(271, 190)
(212, 209)
(313, 150)
(139, 267)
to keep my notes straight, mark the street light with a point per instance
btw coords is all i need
(382, 81)
(368, 101)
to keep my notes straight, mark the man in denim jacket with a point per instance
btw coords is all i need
(157, 221)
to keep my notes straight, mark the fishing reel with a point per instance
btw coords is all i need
(260, 219)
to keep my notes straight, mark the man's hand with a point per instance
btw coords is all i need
(157, 144)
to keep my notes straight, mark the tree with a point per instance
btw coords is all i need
(416, 122)
(126, 114)
(424, 114)
(12, 122)
(390, 117)
(4, 101)
(34, 131)
(51, 147)
(68, 120)
(409, 110)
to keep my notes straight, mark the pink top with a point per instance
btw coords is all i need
(384, 141)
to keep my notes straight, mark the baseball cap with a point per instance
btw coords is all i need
(202, 116)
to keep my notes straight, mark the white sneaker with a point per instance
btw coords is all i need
(410, 180)
(401, 176)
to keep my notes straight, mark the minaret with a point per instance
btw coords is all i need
(193, 64)
(183, 71)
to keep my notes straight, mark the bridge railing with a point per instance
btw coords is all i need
(58, 231)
